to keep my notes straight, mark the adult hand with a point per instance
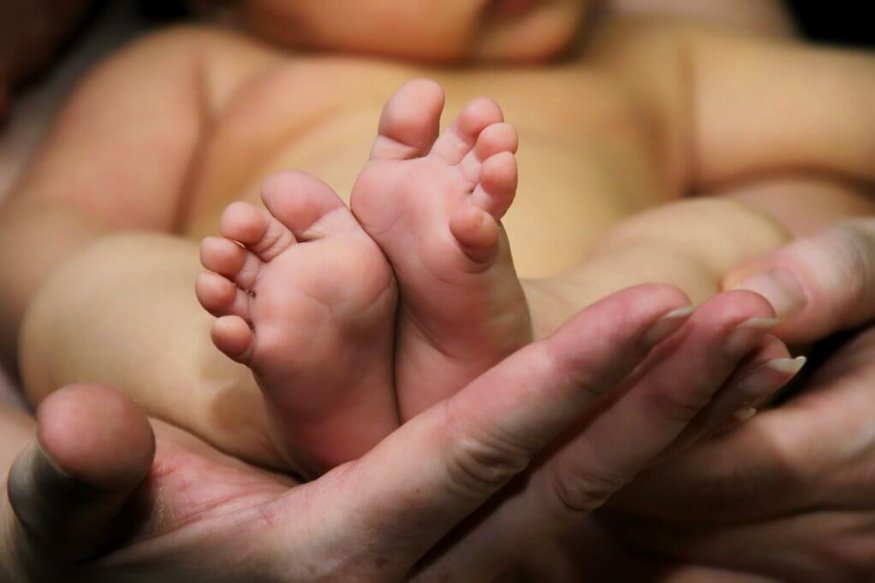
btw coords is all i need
(97, 497)
(790, 494)
(89, 500)
(819, 284)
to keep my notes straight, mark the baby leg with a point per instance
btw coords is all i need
(306, 300)
(433, 204)
(122, 313)
(690, 244)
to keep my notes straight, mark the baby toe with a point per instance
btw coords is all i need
(496, 138)
(222, 256)
(410, 121)
(243, 222)
(477, 233)
(255, 228)
(220, 297)
(300, 201)
(459, 139)
(232, 335)
(498, 182)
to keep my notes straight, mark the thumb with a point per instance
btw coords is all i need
(818, 284)
(68, 486)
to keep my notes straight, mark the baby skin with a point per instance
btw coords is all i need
(618, 186)
(305, 291)
(354, 320)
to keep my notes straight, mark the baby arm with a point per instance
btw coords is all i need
(116, 160)
(781, 131)
(91, 262)
(769, 17)
(785, 126)
(689, 243)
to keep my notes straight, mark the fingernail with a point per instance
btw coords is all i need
(744, 414)
(759, 323)
(780, 287)
(665, 326)
(741, 338)
(734, 422)
(768, 378)
(787, 366)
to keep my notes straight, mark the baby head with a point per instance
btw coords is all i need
(430, 30)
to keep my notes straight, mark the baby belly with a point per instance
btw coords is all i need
(570, 190)
(563, 203)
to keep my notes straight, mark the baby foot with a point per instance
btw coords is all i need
(433, 204)
(306, 299)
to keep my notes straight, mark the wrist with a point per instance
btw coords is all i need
(11, 563)
(16, 431)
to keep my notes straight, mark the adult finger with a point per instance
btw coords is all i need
(820, 544)
(754, 384)
(628, 435)
(93, 447)
(401, 498)
(817, 284)
(813, 450)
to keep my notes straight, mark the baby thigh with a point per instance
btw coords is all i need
(122, 312)
(690, 244)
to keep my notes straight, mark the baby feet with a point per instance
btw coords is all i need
(305, 296)
(306, 299)
(433, 204)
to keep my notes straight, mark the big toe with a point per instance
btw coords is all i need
(305, 205)
(410, 121)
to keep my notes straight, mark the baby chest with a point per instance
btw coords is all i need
(582, 160)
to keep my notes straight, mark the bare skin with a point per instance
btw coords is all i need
(805, 159)
(364, 520)
(304, 279)
(307, 299)
(300, 281)
(224, 114)
(433, 203)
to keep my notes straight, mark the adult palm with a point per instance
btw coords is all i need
(791, 494)
(99, 496)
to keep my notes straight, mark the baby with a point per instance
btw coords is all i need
(309, 277)
(405, 291)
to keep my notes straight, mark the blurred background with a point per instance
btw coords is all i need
(840, 21)
(45, 45)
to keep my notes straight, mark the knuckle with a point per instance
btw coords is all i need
(481, 461)
(679, 406)
(850, 557)
(582, 489)
(730, 485)
(857, 241)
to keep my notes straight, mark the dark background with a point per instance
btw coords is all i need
(844, 22)
(834, 21)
